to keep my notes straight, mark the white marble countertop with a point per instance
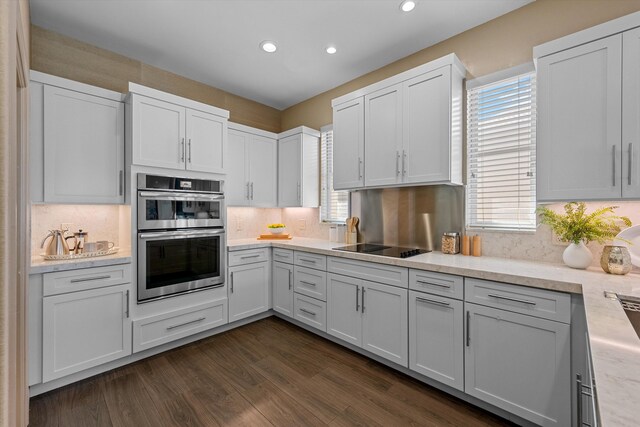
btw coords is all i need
(615, 347)
(40, 265)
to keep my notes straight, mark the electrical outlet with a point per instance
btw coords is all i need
(66, 226)
(302, 224)
(239, 223)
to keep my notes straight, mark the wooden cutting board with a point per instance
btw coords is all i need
(275, 237)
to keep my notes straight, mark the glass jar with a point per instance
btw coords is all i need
(451, 243)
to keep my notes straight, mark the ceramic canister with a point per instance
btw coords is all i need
(615, 260)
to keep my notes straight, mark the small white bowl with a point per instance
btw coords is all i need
(276, 230)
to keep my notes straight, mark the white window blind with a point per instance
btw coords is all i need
(334, 205)
(501, 154)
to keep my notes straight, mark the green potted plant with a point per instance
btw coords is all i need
(578, 227)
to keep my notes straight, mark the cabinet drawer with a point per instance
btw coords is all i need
(283, 255)
(380, 273)
(310, 282)
(62, 282)
(248, 256)
(157, 330)
(519, 299)
(307, 259)
(310, 311)
(446, 285)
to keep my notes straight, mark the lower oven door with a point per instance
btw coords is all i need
(171, 262)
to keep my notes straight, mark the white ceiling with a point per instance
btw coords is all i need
(216, 41)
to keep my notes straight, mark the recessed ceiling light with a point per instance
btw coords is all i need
(331, 50)
(407, 5)
(268, 46)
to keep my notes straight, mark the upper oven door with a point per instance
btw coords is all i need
(166, 209)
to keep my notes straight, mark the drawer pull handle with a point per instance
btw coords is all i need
(433, 284)
(89, 279)
(309, 312)
(431, 301)
(186, 323)
(468, 328)
(127, 303)
(523, 301)
(307, 260)
(231, 281)
(282, 255)
(290, 281)
(307, 283)
(363, 299)
(250, 256)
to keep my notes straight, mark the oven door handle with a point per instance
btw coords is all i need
(180, 234)
(179, 196)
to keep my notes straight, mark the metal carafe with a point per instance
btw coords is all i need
(58, 244)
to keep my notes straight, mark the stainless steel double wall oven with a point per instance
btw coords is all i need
(181, 235)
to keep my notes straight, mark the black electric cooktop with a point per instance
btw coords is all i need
(382, 250)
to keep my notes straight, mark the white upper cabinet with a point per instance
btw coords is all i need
(252, 172)
(77, 142)
(171, 132)
(299, 168)
(589, 113)
(412, 130)
(348, 158)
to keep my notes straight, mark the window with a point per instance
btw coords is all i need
(334, 205)
(501, 154)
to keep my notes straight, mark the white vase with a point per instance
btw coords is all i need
(577, 256)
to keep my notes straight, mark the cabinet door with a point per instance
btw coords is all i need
(283, 288)
(519, 363)
(631, 114)
(83, 148)
(348, 145)
(248, 290)
(263, 167)
(384, 322)
(383, 136)
(289, 171)
(344, 319)
(579, 122)
(436, 330)
(206, 149)
(84, 329)
(237, 182)
(427, 124)
(158, 133)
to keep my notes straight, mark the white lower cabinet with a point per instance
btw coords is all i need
(283, 288)
(436, 338)
(370, 315)
(519, 363)
(310, 311)
(248, 290)
(84, 329)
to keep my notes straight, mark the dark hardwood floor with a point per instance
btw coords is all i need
(265, 373)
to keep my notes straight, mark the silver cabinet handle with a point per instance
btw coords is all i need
(433, 284)
(252, 191)
(404, 161)
(231, 281)
(127, 295)
(359, 168)
(182, 150)
(630, 163)
(298, 192)
(89, 279)
(613, 152)
(308, 283)
(431, 301)
(185, 323)
(523, 301)
(250, 256)
(397, 163)
(357, 298)
(468, 328)
(248, 194)
(281, 255)
(290, 281)
(189, 145)
(304, 310)
(121, 182)
(307, 260)
(363, 299)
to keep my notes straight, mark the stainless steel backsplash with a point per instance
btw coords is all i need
(409, 216)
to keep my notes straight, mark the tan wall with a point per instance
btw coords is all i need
(63, 56)
(501, 43)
